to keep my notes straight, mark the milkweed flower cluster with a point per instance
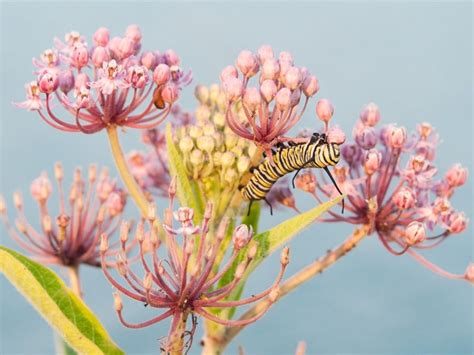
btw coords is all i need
(88, 210)
(186, 283)
(390, 181)
(274, 106)
(104, 83)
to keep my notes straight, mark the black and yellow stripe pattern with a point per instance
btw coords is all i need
(317, 153)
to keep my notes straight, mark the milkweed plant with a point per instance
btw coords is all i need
(195, 185)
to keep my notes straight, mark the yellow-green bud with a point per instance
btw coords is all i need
(222, 102)
(237, 151)
(243, 164)
(217, 158)
(231, 176)
(230, 140)
(203, 113)
(195, 131)
(218, 138)
(202, 93)
(186, 144)
(205, 143)
(214, 91)
(228, 159)
(219, 119)
(252, 149)
(209, 129)
(196, 157)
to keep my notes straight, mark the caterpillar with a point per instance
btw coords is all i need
(316, 153)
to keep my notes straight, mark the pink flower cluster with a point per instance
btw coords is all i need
(390, 180)
(84, 213)
(186, 282)
(105, 83)
(273, 107)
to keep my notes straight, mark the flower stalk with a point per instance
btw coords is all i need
(74, 280)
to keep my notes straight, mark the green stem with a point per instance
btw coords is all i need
(133, 189)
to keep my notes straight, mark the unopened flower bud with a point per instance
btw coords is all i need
(205, 143)
(265, 53)
(161, 74)
(243, 164)
(457, 222)
(148, 281)
(370, 115)
(373, 159)
(171, 57)
(121, 267)
(396, 137)
(270, 70)
(469, 273)
(117, 302)
(415, 233)
(228, 159)
(17, 200)
(196, 158)
(324, 110)
(48, 82)
(233, 88)
(202, 94)
(148, 60)
(104, 243)
(293, 78)
(151, 213)
(310, 86)
(99, 56)
(456, 176)
(336, 135)
(172, 188)
(247, 63)
(140, 232)
(124, 230)
(228, 72)
(283, 99)
(252, 99)
(101, 36)
(285, 256)
(186, 144)
(58, 171)
(351, 153)
(268, 89)
(66, 81)
(170, 93)
(365, 137)
(242, 235)
(239, 272)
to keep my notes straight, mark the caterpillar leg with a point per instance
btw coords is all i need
(250, 207)
(335, 184)
(269, 205)
(294, 178)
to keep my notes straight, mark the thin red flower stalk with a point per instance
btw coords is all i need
(185, 283)
(389, 179)
(273, 107)
(87, 211)
(109, 83)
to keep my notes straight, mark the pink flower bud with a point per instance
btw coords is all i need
(424, 129)
(171, 58)
(170, 93)
(184, 215)
(324, 110)
(293, 78)
(133, 32)
(101, 37)
(456, 222)
(233, 88)
(404, 198)
(80, 56)
(373, 159)
(99, 56)
(270, 69)
(285, 256)
(41, 188)
(415, 233)
(113, 46)
(125, 47)
(148, 60)
(286, 57)
(310, 86)
(336, 135)
(365, 137)
(283, 99)
(242, 235)
(48, 82)
(456, 176)
(83, 99)
(116, 203)
(137, 76)
(351, 153)
(268, 89)
(370, 115)
(265, 53)
(161, 74)
(228, 72)
(252, 98)
(82, 80)
(469, 273)
(396, 137)
(66, 81)
(104, 243)
(247, 63)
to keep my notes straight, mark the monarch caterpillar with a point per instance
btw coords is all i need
(317, 153)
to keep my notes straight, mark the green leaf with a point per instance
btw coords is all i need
(253, 217)
(188, 191)
(273, 239)
(62, 309)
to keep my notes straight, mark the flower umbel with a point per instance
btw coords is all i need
(273, 107)
(186, 282)
(389, 179)
(71, 238)
(106, 83)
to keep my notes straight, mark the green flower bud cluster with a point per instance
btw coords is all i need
(213, 154)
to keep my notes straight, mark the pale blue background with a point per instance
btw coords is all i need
(413, 60)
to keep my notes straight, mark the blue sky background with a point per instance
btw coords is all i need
(413, 59)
